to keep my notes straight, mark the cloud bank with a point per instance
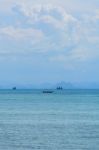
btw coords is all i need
(64, 35)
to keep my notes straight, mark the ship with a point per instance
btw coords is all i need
(14, 88)
(47, 91)
(59, 88)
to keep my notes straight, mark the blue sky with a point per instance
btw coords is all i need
(49, 41)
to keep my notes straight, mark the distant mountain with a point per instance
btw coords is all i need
(63, 84)
(87, 85)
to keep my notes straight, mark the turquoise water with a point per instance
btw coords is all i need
(64, 120)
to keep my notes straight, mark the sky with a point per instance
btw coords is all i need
(49, 41)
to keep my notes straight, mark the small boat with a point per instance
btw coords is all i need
(14, 88)
(46, 91)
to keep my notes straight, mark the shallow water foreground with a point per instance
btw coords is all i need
(31, 120)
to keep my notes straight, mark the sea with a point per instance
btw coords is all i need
(62, 120)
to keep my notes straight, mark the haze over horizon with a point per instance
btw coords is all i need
(49, 41)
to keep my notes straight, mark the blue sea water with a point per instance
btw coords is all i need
(64, 120)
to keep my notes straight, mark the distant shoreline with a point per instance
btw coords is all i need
(48, 89)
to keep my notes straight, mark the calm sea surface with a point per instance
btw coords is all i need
(64, 120)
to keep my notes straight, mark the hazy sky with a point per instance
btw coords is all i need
(49, 41)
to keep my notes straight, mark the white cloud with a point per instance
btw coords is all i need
(70, 6)
(62, 25)
(97, 14)
(64, 32)
(75, 57)
(6, 6)
(20, 34)
(45, 13)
